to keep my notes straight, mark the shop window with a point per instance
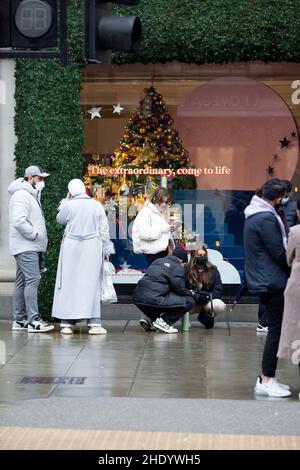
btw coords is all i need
(235, 132)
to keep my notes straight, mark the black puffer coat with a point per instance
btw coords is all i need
(163, 285)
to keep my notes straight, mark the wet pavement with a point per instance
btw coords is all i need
(128, 362)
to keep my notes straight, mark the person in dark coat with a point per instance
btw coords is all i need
(266, 274)
(162, 294)
(289, 205)
(204, 277)
(262, 326)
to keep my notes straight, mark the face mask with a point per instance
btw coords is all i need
(201, 260)
(284, 200)
(40, 185)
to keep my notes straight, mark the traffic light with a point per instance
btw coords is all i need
(33, 23)
(4, 23)
(28, 24)
(105, 33)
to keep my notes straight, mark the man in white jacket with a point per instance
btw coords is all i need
(27, 243)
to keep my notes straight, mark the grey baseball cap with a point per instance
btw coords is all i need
(35, 171)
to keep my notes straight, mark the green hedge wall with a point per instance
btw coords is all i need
(49, 128)
(49, 123)
(216, 31)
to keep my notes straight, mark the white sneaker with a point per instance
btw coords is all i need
(261, 329)
(270, 389)
(161, 325)
(286, 387)
(19, 326)
(66, 330)
(97, 330)
(147, 324)
(39, 326)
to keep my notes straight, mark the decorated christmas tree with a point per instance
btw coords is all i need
(150, 153)
(150, 142)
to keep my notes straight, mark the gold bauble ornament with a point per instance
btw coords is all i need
(142, 130)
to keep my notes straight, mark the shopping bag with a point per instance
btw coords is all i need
(108, 293)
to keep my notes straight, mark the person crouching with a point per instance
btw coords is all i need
(162, 295)
(205, 279)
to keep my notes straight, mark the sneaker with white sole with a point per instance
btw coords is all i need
(97, 330)
(287, 387)
(66, 330)
(270, 388)
(19, 326)
(161, 325)
(147, 324)
(39, 326)
(261, 329)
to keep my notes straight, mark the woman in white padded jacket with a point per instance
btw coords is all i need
(151, 232)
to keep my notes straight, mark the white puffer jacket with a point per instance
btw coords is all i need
(150, 232)
(26, 219)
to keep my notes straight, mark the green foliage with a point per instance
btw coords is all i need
(216, 31)
(49, 128)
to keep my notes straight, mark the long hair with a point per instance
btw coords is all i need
(192, 275)
(158, 196)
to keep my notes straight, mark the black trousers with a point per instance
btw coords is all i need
(274, 304)
(161, 254)
(169, 315)
(262, 315)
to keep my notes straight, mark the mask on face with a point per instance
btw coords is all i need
(40, 185)
(201, 260)
(284, 200)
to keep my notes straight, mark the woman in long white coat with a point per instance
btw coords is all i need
(79, 273)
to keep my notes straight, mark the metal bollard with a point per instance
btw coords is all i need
(185, 322)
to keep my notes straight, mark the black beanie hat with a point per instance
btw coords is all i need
(181, 254)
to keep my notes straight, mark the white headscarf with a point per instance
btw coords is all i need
(76, 187)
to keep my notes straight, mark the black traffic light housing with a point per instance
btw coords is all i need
(29, 26)
(5, 23)
(105, 32)
(33, 23)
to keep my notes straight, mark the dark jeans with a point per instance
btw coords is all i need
(169, 315)
(151, 258)
(262, 314)
(274, 303)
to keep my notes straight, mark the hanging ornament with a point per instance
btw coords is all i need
(285, 142)
(95, 113)
(270, 170)
(117, 109)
